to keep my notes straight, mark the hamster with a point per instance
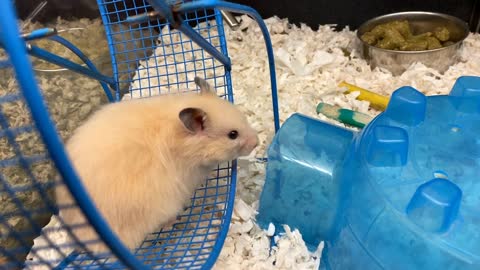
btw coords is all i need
(141, 160)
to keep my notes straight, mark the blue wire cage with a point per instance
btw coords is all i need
(156, 47)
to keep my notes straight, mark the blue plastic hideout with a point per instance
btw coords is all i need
(404, 193)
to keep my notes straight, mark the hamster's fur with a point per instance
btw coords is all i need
(141, 160)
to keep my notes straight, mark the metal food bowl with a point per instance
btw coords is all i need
(420, 22)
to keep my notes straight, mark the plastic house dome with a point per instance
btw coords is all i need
(404, 193)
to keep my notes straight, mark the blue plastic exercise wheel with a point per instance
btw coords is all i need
(149, 57)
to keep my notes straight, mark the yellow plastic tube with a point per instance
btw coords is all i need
(377, 101)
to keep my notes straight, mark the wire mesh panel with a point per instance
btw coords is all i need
(27, 180)
(157, 58)
(26, 198)
(31, 235)
(152, 58)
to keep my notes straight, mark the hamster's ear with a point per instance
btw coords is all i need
(205, 88)
(193, 119)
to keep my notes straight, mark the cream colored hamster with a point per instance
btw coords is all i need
(141, 160)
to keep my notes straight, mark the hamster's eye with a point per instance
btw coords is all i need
(233, 134)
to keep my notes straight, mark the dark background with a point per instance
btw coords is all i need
(311, 12)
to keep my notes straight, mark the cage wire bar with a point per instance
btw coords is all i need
(193, 242)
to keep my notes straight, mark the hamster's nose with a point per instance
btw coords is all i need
(251, 143)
